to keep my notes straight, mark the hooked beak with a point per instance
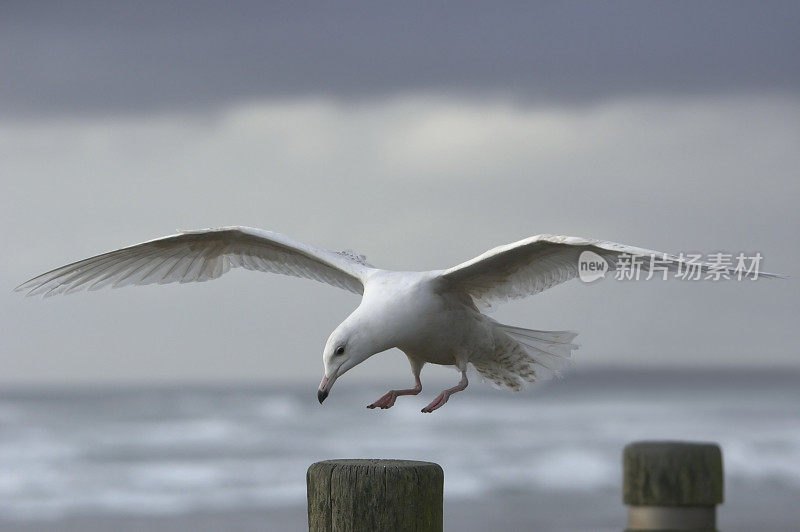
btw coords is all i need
(325, 387)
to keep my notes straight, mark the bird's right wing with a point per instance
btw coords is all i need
(200, 256)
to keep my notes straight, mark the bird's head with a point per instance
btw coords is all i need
(347, 347)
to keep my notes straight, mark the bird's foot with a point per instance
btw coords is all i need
(436, 403)
(387, 401)
(445, 395)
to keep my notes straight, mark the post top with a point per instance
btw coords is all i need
(671, 473)
(670, 446)
(377, 463)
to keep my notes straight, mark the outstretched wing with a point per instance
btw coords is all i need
(537, 263)
(200, 256)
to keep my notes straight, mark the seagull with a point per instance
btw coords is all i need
(434, 317)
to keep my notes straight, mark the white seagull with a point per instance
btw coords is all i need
(432, 316)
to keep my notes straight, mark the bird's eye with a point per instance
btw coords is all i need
(340, 350)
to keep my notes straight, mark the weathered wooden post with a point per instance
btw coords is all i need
(374, 495)
(672, 485)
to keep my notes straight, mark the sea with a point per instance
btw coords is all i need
(234, 457)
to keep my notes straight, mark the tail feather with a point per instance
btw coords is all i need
(555, 337)
(522, 356)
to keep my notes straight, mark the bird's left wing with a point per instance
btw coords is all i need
(537, 263)
(200, 256)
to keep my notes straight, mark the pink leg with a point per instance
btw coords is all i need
(387, 401)
(445, 395)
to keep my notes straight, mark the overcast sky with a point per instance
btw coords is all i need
(420, 135)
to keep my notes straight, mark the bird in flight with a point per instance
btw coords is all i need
(432, 316)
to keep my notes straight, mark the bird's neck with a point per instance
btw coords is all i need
(371, 328)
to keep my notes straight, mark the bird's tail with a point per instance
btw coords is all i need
(522, 356)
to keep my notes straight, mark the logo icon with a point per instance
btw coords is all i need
(591, 266)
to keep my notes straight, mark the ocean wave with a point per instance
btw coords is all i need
(179, 452)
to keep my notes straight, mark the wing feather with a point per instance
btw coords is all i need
(197, 256)
(540, 262)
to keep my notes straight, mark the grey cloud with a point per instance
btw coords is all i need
(74, 57)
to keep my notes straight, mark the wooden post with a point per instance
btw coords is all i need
(374, 495)
(672, 485)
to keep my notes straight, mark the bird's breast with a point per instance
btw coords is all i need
(419, 320)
